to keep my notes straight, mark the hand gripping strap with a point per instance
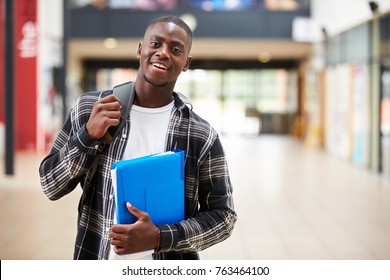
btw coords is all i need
(125, 93)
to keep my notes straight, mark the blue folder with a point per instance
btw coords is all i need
(154, 184)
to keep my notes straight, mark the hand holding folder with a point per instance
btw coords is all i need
(154, 184)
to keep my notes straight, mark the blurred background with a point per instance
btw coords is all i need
(299, 91)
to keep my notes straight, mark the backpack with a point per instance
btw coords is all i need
(125, 93)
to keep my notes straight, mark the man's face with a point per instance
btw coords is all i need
(164, 53)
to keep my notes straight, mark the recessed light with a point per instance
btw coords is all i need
(264, 57)
(110, 43)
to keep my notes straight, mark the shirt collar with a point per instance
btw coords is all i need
(181, 101)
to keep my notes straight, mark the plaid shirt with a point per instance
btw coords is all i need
(209, 213)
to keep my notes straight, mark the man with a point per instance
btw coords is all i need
(159, 121)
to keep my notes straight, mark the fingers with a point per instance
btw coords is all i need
(109, 98)
(108, 103)
(125, 239)
(105, 113)
(136, 237)
(118, 238)
(117, 230)
(118, 246)
(141, 215)
(116, 243)
(120, 250)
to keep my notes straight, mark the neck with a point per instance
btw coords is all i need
(149, 96)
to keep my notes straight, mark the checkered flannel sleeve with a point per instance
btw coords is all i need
(72, 153)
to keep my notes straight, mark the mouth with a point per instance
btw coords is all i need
(160, 66)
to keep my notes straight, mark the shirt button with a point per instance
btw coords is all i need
(111, 196)
(96, 147)
(123, 136)
(107, 229)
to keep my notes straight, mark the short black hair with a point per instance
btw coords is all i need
(176, 20)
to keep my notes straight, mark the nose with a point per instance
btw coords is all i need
(163, 51)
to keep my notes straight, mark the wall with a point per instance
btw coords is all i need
(353, 98)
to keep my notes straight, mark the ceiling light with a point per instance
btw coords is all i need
(190, 20)
(264, 57)
(110, 43)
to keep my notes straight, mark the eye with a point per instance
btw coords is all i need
(154, 44)
(176, 50)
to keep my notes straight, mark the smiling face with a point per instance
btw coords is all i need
(163, 54)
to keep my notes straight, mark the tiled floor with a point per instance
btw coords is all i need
(292, 203)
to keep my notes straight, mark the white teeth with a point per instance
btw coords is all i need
(159, 66)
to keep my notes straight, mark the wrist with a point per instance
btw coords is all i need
(88, 132)
(158, 239)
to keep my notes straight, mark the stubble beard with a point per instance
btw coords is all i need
(154, 84)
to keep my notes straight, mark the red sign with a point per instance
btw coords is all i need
(2, 33)
(26, 97)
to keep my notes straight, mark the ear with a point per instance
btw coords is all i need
(139, 50)
(187, 64)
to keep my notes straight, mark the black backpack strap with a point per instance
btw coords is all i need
(125, 93)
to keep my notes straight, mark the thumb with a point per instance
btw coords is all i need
(141, 215)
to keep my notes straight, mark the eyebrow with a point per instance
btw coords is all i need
(173, 42)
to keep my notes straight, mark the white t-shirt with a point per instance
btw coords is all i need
(148, 130)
